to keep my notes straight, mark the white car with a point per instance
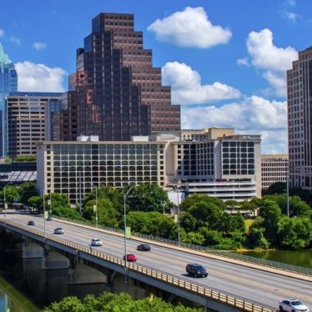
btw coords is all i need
(292, 305)
(96, 242)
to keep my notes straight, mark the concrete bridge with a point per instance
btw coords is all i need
(91, 266)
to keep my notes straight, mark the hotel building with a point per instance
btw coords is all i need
(224, 166)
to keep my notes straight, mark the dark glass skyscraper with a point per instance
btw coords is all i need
(8, 83)
(116, 92)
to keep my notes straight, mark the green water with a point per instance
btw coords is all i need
(11, 300)
(302, 258)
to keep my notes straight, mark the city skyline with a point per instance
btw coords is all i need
(229, 72)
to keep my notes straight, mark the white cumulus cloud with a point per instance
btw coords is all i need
(272, 61)
(39, 77)
(253, 115)
(190, 28)
(39, 45)
(187, 88)
(1, 32)
(265, 55)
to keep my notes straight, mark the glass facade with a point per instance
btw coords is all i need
(115, 92)
(8, 83)
(30, 120)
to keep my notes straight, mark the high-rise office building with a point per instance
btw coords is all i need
(8, 83)
(115, 92)
(30, 120)
(273, 169)
(299, 101)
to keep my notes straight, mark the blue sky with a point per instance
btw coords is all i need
(225, 60)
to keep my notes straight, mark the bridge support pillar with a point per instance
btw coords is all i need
(53, 260)
(31, 249)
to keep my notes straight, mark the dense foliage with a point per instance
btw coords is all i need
(109, 302)
(202, 220)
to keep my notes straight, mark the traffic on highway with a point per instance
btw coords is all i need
(260, 287)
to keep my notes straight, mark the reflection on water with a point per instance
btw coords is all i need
(302, 258)
(11, 300)
(45, 286)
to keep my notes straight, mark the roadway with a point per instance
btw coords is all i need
(238, 280)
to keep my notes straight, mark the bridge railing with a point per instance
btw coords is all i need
(191, 287)
(221, 253)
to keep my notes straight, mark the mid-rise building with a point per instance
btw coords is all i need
(8, 83)
(227, 167)
(115, 92)
(299, 95)
(30, 120)
(274, 168)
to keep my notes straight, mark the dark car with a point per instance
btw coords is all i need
(144, 247)
(31, 222)
(196, 270)
(58, 231)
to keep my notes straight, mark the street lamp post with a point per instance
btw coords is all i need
(50, 204)
(178, 218)
(125, 229)
(287, 189)
(44, 212)
(4, 199)
(96, 205)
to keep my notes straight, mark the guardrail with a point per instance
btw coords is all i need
(209, 294)
(221, 253)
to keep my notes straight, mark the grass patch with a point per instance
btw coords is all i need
(248, 224)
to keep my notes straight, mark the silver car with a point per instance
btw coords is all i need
(292, 305)
(96, 242)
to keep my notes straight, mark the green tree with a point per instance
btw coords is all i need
(11, 194)
(57, 201)
(206, 213)
(295, 233)
(232, 204)
(149, 197)
(35, 202)
(115, 196)
(257, 239)
(107, 214)
(197, 198)
(27, 190)
(187, 221)
(271, 214)
(152, 223)
(68, 213)
(68, 304)
(275, 188)
(299, 208)
(109, 302)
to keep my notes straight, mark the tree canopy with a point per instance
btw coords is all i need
(109, 302)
